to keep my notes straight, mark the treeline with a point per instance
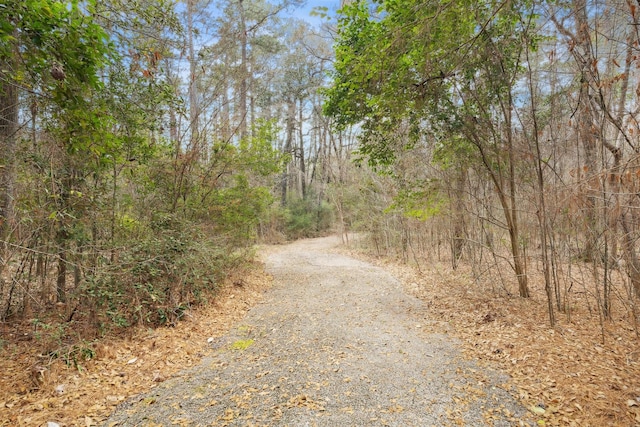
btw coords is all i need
(506, 137)
(145, 147)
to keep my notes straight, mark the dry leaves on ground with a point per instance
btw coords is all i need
(123, 367)
(565, 376)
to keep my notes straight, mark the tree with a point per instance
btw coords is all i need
(453, 75)
(54, 52)
(117, 168)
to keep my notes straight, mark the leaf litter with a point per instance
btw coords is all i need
(34, 392)
(565, 376)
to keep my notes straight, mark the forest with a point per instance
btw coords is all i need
(147, 146)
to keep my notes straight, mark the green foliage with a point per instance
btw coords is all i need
(53, 337)
(159, 277)
(61, 53)
(107, 192)
(307, 218)
(300, 218)
(453, 152)
(52, 34)
(237, 209)
(74, 355)
(258, 153)
(53, 333)
(435, 76)
(422, 201)
(272, 228)
(321, 12)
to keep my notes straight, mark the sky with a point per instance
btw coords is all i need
(305, 11)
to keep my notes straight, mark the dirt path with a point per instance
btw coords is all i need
(336, 342)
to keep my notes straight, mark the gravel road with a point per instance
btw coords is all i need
(336, 342)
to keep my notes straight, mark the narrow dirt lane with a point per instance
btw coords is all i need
(336, 343)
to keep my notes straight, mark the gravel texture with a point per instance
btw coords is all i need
(336, 342)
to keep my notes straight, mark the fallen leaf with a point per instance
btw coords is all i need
(537, 410)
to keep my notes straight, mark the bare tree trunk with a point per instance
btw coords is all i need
(284, 184)
(303, 171)
(252, 110)
(226, 114)
(512, 216)
(542, 208)
(509, 209)
(61, 278)
(173, 131)
(518, 259)
(193, 85)
(586, 125)
(8, 137)
(244, 72)
(458, 217)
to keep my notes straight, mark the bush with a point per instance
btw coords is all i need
(159, 277)
(307, 218)
(272, 227)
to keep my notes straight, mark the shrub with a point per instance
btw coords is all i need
(307, 218)
(159, 277)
